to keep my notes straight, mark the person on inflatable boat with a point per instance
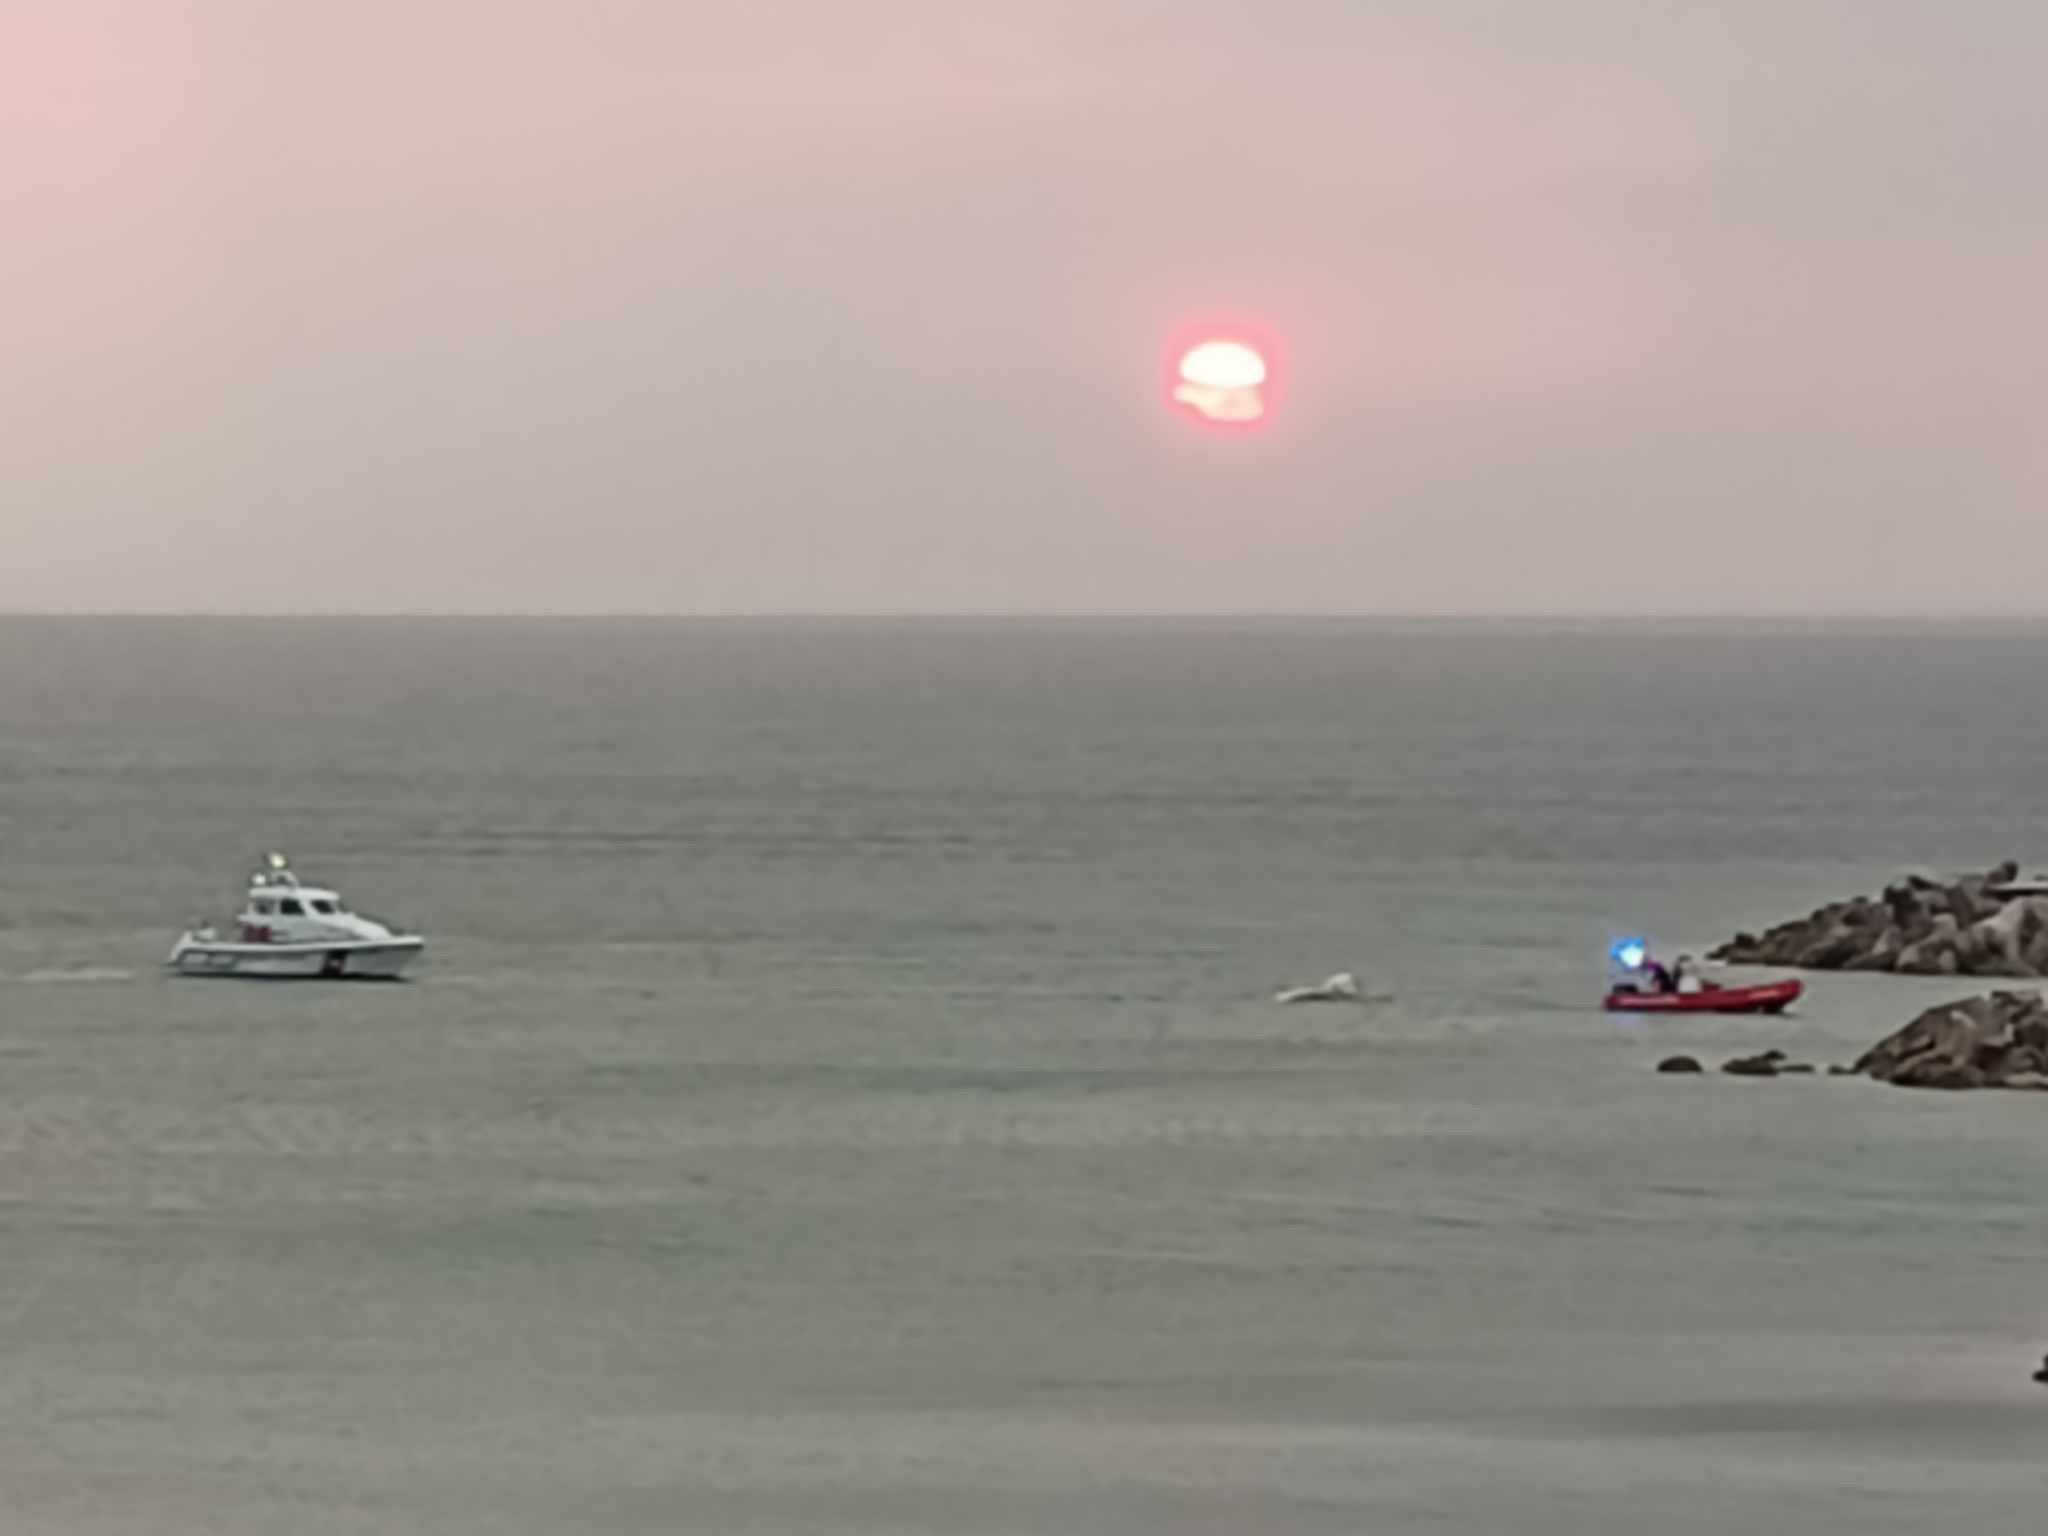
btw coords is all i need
(1637, 971)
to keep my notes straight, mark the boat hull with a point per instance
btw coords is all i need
(1774, 997)
(360, 960)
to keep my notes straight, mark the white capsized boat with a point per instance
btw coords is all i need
(287, 930)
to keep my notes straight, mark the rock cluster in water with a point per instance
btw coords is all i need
(1996, 1041)
(1767, 1064)
(1920, 926)
(1999, 1041)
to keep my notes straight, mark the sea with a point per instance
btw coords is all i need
(843, 1090)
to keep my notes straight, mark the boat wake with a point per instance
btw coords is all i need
(82, 976)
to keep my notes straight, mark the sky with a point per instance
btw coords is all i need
(660, 307)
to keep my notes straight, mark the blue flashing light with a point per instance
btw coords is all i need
(1629, 953)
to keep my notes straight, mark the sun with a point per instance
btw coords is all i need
(1222, 380)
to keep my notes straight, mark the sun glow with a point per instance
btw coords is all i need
(1222, 381)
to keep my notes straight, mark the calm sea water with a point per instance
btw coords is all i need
(842, 1093)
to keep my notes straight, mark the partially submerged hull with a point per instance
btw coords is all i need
(1773, 997)
(361, 960)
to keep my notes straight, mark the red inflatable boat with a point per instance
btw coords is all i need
(1773, 998)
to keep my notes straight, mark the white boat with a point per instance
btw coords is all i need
(290, 931)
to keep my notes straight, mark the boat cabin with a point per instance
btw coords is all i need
(280, 910)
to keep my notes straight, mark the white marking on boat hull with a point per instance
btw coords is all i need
(383, 960)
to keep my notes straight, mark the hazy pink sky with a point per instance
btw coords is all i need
(592, 305)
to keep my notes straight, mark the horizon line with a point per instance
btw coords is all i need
(1042, 616)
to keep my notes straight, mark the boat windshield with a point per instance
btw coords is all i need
(324, 908)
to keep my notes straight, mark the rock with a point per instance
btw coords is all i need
(1947, 1034)
(1933, 955)
(1882, 955)
(1793, 1068)
(1921, 924)
(1765, 1065)
(1938, 1074)
(1835, 950)
(1679, 1064)
(1905, 905)
(2034, 947)
(2017, 1061)
(1996, 945)
(1996, 1041)
(1926, 959)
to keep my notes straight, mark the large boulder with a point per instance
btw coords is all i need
(1936, 954)
(1967, 903)
(2036, 952)
(1883, 954)
(1835, 950)
(1995, 945)
(1998, 1041)
(1907, 908)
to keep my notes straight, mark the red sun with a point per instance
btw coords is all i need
(1223, 381)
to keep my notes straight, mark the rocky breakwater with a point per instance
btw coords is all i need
(1920, 926)
(2000, 1041)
